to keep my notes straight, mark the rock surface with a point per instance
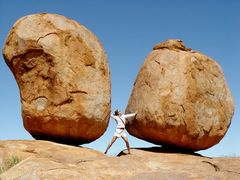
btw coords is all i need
(63, 75)
(47, 160)
(181, 97)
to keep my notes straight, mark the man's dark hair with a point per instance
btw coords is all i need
(116, 112)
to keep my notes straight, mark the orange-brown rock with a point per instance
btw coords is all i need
(181, 97)
(63, 75)
(47, 160)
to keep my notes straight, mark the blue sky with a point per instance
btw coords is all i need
(128, 30)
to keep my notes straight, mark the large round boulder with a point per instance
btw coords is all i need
(63, 75)
(181, 97)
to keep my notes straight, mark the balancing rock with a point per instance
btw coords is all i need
(181, 97)
(63, 76)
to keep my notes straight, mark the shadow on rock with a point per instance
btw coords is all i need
(164, 149)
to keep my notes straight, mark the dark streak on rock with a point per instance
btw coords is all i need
(172, 115)
(157, 62)
(183, 108)
(210, 93)
(46, 35)
(67, 101)
(213, 165)
(81, 161)
(78, 91)
(30, 151)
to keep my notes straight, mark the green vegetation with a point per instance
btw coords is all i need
(10, 162)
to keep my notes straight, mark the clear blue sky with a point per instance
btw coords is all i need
(128, 30)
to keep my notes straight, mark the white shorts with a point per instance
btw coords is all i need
(120, 133)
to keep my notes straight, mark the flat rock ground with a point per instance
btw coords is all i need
(48, 160)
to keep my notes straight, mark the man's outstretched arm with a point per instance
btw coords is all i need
(112, 116)
(130, 115)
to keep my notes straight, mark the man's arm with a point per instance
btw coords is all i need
(130, 115)
(114, 117)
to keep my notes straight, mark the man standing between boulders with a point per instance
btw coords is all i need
(120, 120)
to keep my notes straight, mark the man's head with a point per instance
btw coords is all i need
(117, 112)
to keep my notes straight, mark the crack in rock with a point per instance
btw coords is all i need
(216, 168)
(157, 62)
(78, 91)
(55, 169)
(46, 35)
(66, 101)
(231, 172)
(82, 160)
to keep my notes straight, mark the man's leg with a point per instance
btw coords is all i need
(110, 144)
(127, 144)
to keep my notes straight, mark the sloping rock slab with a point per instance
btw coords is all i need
(47, 160)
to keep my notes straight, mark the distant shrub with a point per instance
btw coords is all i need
(10, 162)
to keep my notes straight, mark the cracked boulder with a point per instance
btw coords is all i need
(63, 76)
(181, 97)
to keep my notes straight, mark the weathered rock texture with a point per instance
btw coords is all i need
(181, 97)
(63, 76)
(46, 160)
